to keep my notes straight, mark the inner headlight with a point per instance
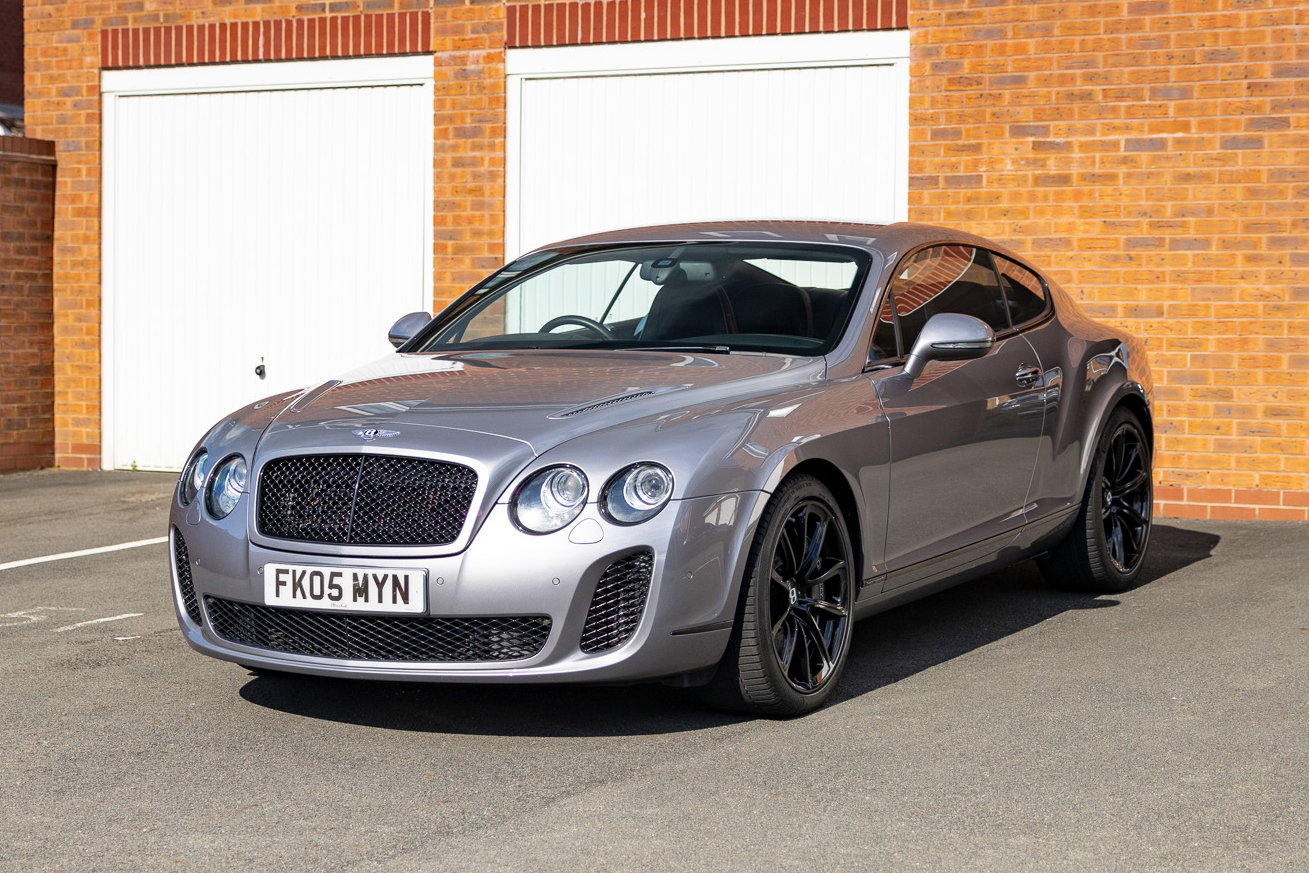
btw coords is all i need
(226, 486)
(193, 478)
(550, 499)
(637, 494)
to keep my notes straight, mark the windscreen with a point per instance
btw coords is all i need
(792, 299)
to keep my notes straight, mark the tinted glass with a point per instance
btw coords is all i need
(793, 299)
(952, 278)
(1024, 290)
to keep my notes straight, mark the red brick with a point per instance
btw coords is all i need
(27, 188)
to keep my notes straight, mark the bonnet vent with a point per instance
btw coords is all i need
(601, 404)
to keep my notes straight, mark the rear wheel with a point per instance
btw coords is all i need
(1106, 548)
(791, 639)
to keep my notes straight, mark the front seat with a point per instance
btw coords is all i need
(684, 308)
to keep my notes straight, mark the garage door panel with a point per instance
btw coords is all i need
(596, 152)
(287, 227)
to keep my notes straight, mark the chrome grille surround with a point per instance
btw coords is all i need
(182, 563)
(357, 637)
(618, 603)
(362, 499)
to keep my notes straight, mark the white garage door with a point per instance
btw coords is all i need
(769, 127)
(256, 215)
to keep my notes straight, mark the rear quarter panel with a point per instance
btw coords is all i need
(1090, 369)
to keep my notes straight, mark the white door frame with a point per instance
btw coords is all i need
(219, 78)
(851, 49)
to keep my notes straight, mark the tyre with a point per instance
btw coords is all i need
(1106, 548)
(791, 638)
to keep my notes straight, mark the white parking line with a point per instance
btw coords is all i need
(27, 562)
(97, 621)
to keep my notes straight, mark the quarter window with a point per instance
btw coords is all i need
(1024, 290)
(949, 278)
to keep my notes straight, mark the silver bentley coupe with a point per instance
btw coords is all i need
(694, 454)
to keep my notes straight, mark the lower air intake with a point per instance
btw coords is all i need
(182, 561)
(378, 637)
(618, 603)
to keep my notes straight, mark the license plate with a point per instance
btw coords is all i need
(351, 589)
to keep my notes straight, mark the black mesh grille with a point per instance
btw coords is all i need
(618, 603)
(182, 560)
(378, 637)
(371, 500)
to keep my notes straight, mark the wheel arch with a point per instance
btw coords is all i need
(1126, 394)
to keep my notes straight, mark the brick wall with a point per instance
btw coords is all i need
(1151, 154)
(1154, 156)
(67, 43)
(569, 22)
(27, 185)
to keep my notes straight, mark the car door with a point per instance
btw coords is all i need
(964, 434)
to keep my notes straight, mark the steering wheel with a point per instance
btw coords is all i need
(580, 321)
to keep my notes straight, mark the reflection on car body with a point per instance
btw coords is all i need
(692, 453)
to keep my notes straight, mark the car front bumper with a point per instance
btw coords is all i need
(698, 547)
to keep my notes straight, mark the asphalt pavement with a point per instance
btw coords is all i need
(1000, 726)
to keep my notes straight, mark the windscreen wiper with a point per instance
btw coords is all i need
(709, 350)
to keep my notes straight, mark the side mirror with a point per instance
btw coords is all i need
(404, 329)
(949, 336)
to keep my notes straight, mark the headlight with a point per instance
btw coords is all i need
(193, 478)
(636, 494)
(226, 486)
(550, 499)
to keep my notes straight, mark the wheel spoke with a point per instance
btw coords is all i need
(786, 613)
(831, 571)
(1134, 483)
(1115, 541)
(1131, 456)
(816, 644)
(786, 551)
(830, 607)
(1116, 452)
(1133, 516)
(813, 550)
(1135, 536)
(786, 651)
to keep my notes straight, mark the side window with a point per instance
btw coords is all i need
(950, 278)
(884, 344)
(1024, 290)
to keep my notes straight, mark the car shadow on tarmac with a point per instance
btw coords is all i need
(887, 648)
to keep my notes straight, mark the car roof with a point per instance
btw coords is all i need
(888, 239)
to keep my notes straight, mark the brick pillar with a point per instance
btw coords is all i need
(27, 202)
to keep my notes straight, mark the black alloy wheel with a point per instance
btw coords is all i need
(1107, 546)
(791, 640)
(808, 601)
(1126, 497)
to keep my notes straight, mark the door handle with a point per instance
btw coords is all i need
(1027, 376)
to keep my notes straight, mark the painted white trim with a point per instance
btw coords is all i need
(253, 76)
(744, 52)
(108, 155)
(856, 48)
(270, 75)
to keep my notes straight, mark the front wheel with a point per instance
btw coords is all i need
(791, 639)
(1106, 548)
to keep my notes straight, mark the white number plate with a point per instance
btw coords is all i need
(353, 589)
